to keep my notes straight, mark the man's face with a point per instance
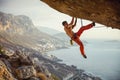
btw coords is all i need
(66, 24)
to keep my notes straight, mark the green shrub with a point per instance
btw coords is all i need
(1, 50)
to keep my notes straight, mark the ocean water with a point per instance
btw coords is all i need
(103, 58)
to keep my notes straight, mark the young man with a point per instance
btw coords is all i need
(75, 36)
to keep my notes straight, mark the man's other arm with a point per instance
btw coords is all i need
(74, 23)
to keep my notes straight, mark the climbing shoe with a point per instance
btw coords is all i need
(84, 56)
(93, 23)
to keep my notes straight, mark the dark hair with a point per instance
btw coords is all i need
(64, 22)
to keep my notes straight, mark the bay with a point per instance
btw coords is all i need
(103, 58)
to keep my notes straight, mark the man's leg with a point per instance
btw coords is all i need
(79, 42)
(85, 28)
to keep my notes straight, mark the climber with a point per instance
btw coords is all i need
(75, 36)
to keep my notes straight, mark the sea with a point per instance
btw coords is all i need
(103, 58)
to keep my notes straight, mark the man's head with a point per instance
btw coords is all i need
(64, 23)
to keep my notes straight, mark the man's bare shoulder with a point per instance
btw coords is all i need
(70, 26)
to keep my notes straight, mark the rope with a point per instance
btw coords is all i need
(81, 23)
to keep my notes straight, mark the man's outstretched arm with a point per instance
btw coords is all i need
(74, 23)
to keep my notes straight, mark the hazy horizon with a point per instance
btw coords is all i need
(43, 15)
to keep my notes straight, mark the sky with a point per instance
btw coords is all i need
(42, 15)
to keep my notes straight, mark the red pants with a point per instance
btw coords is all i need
(78, 41)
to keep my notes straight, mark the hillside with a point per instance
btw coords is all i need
(20, 30)
(15, 24)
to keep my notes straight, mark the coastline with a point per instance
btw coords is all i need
(93, 64)
(68, 77)
(79, 73)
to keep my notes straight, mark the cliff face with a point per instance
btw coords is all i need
(106, 12)
(20, 30)
(15, 24)
(19, 63)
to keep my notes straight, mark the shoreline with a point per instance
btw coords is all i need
(79, 71)
(68, 77)
(92, 64)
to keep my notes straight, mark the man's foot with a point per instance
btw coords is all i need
(84, 56)
(93, 23)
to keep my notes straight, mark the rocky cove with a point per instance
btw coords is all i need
(25, 64)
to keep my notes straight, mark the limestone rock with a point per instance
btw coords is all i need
(5, 52)
(25, 72)
(41, 76)
(40, 67)
(9, 52)
(106, 12)
(4, 73)
(24, 59)
(19, 67)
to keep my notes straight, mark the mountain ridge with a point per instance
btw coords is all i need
(20, 30)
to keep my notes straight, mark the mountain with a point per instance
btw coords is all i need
(20, 53)
(20, 30)
(15, 24)
(57, 34)
(21, 45)
(47, 30)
